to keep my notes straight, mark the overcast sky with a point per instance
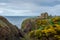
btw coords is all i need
(29, 7)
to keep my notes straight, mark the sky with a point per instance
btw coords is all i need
(29, 7)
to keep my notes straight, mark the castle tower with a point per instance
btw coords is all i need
(44, 15)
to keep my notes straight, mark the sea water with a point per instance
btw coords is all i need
(16, 20)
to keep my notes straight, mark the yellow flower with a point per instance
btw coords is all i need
(57, 36)
(52, 30)
(57, 27)
(56, 19)
(44, 31)
(38, 33)
(38, 22)
(31, 33)
(44, 22)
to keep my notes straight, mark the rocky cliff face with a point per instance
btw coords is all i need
(27, 25)
(9, 31)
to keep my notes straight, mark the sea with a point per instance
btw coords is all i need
(16, 20)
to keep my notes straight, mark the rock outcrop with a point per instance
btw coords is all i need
(9, 31)
(27, 25)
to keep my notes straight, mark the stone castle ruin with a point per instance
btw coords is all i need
(44, 15)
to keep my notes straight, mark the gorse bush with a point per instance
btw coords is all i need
(50, 29)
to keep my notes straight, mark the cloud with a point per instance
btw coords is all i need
(2, 3)
(51, 10)
(29, 10)
(38, 2)
(1, 11)
(29, 7)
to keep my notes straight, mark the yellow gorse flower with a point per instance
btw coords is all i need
(56, 19)
(57, 27)
(57, 36)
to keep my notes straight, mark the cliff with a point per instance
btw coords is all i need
(9, 31)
